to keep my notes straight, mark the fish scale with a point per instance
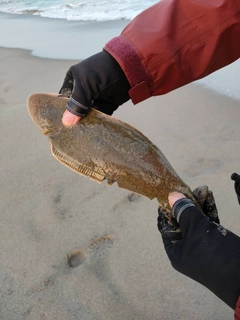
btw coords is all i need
(102, 147)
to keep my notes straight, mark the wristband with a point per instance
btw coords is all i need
(179, 206)
(76, 108)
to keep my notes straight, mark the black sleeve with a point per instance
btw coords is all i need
(208, 253)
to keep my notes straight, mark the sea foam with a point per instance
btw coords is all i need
(88, 10)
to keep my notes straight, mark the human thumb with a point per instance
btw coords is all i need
(69, 118)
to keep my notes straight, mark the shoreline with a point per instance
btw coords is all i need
(57, 38)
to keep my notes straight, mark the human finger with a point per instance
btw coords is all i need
(174, 196)
(69, 118)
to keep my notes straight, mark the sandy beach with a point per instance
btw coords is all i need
(48, 212)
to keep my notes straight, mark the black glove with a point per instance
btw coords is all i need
(202, 250)
(97, 82)
(236, 177)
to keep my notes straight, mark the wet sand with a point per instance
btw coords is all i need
(49, 212)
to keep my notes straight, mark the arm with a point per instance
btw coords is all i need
(203, 250)
(176, 42)
(165, 47)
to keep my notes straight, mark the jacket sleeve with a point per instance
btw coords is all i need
(176, 42)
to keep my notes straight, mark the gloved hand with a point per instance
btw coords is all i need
(97, 82)
(200, 248)
(236, 177)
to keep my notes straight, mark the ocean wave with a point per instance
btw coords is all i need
(91, 10)
(31, 11)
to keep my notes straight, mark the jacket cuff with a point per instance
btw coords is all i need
(179, 206)
(76, 108)
(128, 59)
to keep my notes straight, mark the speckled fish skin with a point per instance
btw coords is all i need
(101, 147)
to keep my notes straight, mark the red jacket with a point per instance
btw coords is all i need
(175, 42)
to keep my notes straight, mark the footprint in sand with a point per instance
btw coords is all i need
(134, 197)
(2, 102)
(97, 248)
(203, 165)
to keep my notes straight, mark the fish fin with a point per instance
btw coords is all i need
(96, 174)
(133, 188)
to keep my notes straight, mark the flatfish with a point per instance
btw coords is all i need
(102, 147)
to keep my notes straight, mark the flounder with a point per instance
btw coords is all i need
(102, 147)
